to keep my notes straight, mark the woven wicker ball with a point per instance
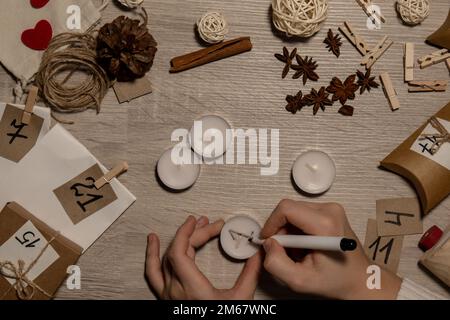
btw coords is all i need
(301, 18)
(413, 12)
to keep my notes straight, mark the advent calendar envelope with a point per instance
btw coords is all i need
(55, 182)
(26, 238)
(414, 159)
(16, 16)
(17, 139)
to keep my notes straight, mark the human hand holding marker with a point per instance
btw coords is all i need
(340, 275)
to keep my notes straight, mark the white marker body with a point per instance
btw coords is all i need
(306, 242)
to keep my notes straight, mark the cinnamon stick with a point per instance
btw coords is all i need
(213, 53)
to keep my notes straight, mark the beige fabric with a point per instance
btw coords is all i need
(17, 16)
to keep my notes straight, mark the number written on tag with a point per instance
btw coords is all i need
(81, 199)
(86, 190)
(16, 138)
(28, 239)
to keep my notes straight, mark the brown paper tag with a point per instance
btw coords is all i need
(127, 91)
(384, 251)
(81, 199)
(397, 217)
(16, 138)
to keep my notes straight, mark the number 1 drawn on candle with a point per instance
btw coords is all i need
(92, 197)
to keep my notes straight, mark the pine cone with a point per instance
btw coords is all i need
(125, 49)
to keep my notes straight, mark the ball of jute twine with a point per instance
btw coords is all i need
(131, 4)
(212, 27)
(413, 12)
(67, 54)
(301, 18)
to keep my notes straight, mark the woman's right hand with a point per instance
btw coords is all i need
(340, 275)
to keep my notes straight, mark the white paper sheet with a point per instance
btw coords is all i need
(55, 160)
(26, 245)
(422, 146)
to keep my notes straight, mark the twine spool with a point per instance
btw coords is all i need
(413, 12)
(301, 18)
(67, 54)
(131, 4)
(212, 27)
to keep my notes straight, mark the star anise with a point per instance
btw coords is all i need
(287, 58)
(346, 110)
(318, 99)
(295, 103)
(306, 69)
(365, 81)
(343, 91)
(333, 43)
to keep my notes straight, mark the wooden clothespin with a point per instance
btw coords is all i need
(433, 58)
(428, 86)
(356, 40)
(365, 4)
(29, 105)
(389, 91)
(114, 173)
(374, 54)
(409, 61)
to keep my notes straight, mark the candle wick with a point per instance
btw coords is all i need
(312, 168)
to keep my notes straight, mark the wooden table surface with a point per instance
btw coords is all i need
(249, 92)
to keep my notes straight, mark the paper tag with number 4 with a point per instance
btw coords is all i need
(26, 245)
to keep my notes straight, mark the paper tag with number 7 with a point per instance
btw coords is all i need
(16, 138)
(26, 245)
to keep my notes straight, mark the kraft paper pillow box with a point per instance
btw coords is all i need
(429, 173)
(24, 237)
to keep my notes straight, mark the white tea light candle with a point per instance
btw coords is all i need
(314, 172)
(208, 136)
(235, 235)
(178, 176)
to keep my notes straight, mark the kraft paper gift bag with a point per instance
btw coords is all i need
(55, 181)
(16, 140)
(17, 16)
(414, 159)
(23, 237)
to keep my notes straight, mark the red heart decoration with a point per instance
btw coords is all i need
(37, 4)
(39, 37)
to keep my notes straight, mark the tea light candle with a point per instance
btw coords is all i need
(314, 172)
(234, 237)
(178, 176)
(211, 125)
